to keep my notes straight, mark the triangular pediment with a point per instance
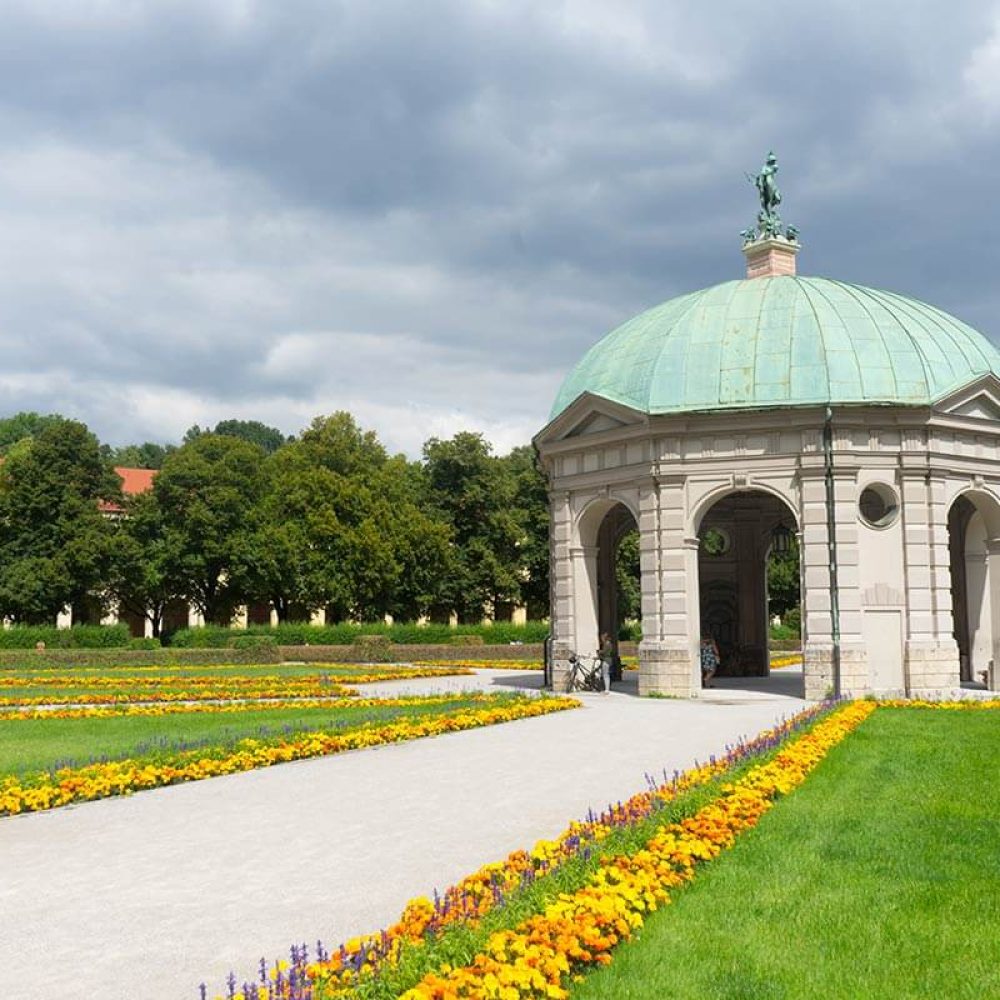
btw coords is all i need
(596, 423)
(979, 400)
(589, 415)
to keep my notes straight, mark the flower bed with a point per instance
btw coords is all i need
(786, 661)
(122, 777)
(72, 689)
(628, 663)
(200, 708)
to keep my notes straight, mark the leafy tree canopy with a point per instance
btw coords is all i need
(270, 439)
(54, 540)
(26, 424)
(475, 494)
(208, 490)
(148, 455)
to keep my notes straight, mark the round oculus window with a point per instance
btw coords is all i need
(878, 506)
(715, 542)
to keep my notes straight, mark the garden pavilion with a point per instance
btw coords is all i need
(865, 423)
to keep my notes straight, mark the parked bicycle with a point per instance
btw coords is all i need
(585, 673)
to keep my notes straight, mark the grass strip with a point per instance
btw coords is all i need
(45, 745)
(124, 776)
(878, 879)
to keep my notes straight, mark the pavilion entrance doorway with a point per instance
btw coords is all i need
(974, 556)
(739, 536)
(608, 536)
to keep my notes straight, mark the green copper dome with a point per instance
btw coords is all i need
(781, 341)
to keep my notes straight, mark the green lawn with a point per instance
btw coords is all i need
(32, 745)
(880, 877)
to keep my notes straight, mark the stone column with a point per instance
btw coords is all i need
(817, 606)
(930, 658)
(993, 576)
(561, 612)
(668, 653)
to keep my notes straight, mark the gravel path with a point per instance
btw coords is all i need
(150, 895)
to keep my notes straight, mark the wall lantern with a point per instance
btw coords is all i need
(781, 539)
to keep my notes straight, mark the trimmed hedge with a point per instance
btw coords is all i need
(531, 652)
(77, 637)
(347, 634)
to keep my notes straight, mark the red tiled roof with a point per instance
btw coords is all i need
(133, 481)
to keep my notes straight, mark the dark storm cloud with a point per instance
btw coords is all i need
(426, 212)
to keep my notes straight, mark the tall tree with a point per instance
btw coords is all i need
(208, 491)
(301, 547)
(337, 443)
(420, 543)
(339, 527)
(145, 570)
(55, 544)
(531, 503)
(474, 493)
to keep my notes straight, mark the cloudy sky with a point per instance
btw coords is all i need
(424, 212)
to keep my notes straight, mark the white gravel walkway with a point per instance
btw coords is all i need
(147, 896)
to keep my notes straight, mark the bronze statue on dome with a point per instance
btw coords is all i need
(768, 220)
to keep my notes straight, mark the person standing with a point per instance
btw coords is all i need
(606, 653)
(709, 659)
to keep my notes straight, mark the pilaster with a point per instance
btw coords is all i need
(818, 664)
(668, 651)
(930, 660)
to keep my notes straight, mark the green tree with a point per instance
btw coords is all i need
(340, 527)
(148, 455)
(26, 424)
(420, 542)
(300, 547)
(474, 493)
(783, 580)
(532, 510)
(55, 543)
(627, 577)
(270, 439)
(145, 570)
(337, 443)
(208, 491)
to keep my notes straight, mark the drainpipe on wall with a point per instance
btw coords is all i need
(831, 534)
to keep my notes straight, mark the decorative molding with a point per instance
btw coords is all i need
(881, 595)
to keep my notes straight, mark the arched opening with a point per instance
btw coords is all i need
(974, 557)
(606, 572)
(745, 538)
